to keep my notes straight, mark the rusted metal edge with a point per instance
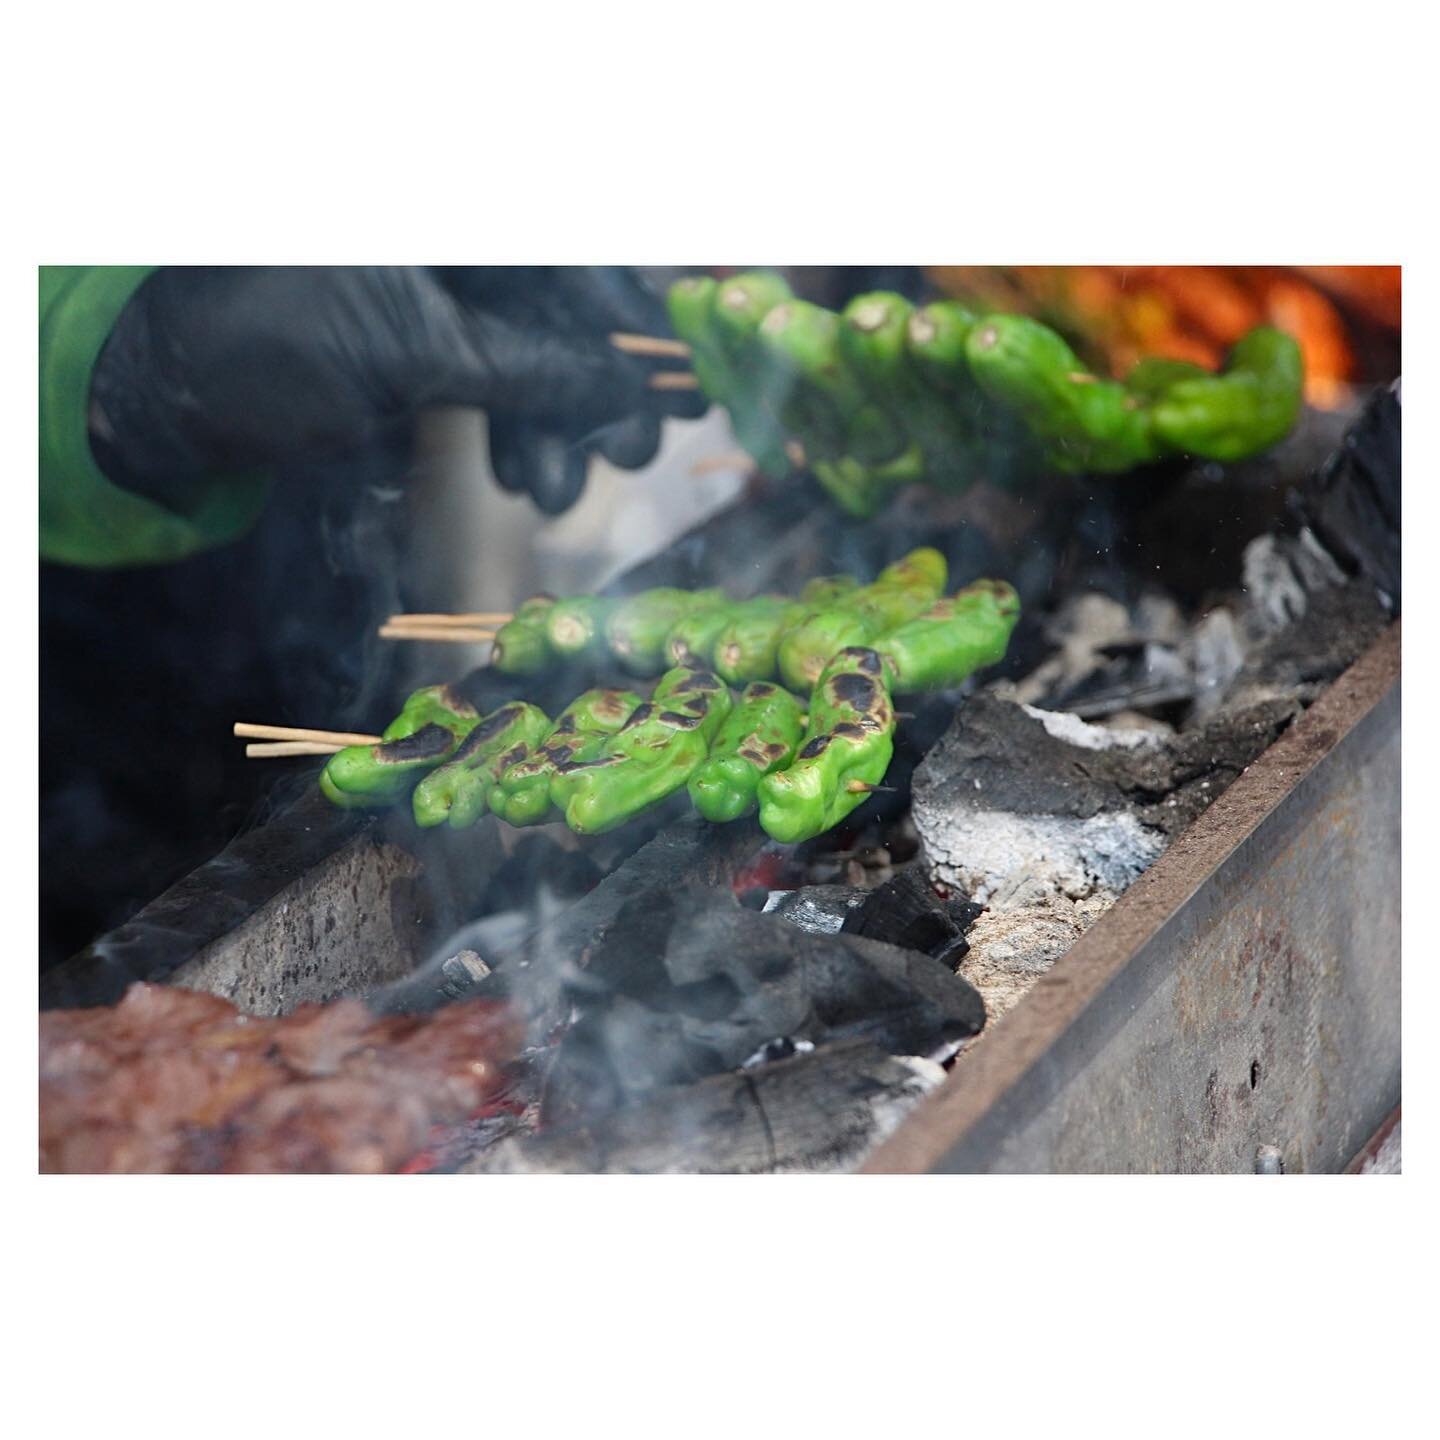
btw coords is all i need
(1372, 1147)
(1020, 1042)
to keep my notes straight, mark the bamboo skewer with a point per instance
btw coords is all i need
(673, 380)
(654, 345)
(338, 738)
(280, 749)
(450, 634)
(482, 619)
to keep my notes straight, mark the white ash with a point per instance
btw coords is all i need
(1281, 573)
(1075, 731)
(1012, 946)
(984, 851)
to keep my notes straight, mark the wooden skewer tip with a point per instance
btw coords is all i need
(656, 345)
(674, 380)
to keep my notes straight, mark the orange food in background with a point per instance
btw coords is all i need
(1116, 314)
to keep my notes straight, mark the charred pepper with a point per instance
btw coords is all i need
(848, 744)
(760, 735)
(455, 794)
(521, 795)
(362, 777)
(652, 756)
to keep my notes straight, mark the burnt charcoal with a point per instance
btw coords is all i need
(1013, 793)
(1353, 500)
(1338, 625)
(532, 961)
(686, 985)
(906, 911)
(820, 909)
(816, 1111)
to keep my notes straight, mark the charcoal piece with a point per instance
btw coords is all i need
(820, 909)
(686, 985)
(1352, 502)
(1339, 624)
(1012, 792)
(532, 960)
(906, 911)
(823, 1110)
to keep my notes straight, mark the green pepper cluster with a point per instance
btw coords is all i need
(886, 394)
(612, 755)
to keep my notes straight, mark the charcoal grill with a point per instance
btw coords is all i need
(1238, 1009)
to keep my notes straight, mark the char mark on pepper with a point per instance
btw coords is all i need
(427, 741)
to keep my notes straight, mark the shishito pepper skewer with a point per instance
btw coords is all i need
(363, 777)
(456, 792)
(575, 625)
(955, 637)
(740, 304)
(431, 723)
(941, 422)
(521, 646)
(901, 591)
(760, 735)
(521, 794)
(849, 741)
(1251, 404)
(636, 629)
(1085, 423)
(648, 759)
(691, 642)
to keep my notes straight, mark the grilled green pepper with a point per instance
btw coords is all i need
(901, 591)
(745, 649)
(953, 638)
(875, 341)
(1085, 423)
(652, 756)
(363, 777)
(521, 646)
(691, 306)
(823, 403)
(521, 795)
(575, 626)
(848, 744)
(455, 794)
(761, 734)
(741, 303)
(1152, 377)
(434, 705)
(636, 630)
(692, 639)
(723, 359)
(1251, 404)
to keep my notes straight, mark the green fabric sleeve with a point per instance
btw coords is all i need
(85, 518)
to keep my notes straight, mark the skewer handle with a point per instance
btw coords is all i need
(673, 380)
(481, 618)
(280, 749)
(338, 738)
(655, 345)
(455, 634)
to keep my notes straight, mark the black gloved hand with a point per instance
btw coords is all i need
(239, 367)
(537, 455)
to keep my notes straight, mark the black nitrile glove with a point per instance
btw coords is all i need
(234, 368)
(549, 460)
